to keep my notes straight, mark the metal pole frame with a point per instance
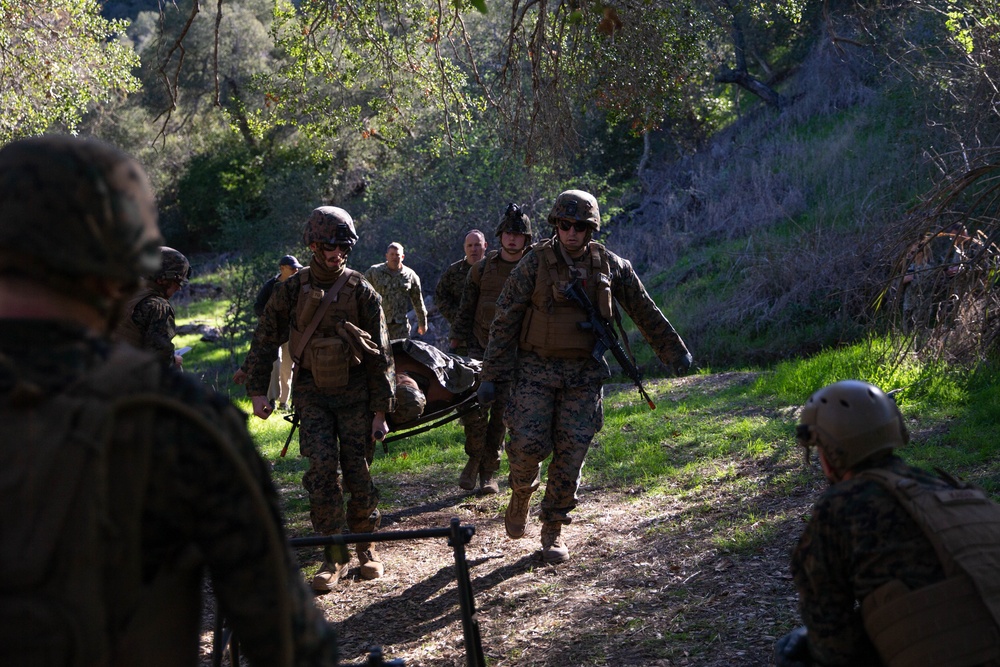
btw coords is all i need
(458, 536)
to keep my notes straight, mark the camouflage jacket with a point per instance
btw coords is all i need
(501, 359)
(858, 538)
(188, 492)
(154, 317)
(399, 290)
(373, 381)
(448, 293)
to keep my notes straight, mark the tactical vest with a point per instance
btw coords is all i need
(551, 323)
(955, 622)
(75, 467)
(327, 355)
(491, 282)
(127, 330)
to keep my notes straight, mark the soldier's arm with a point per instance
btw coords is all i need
(821, 571)
(272, 330)
(654, 326)
(443, 298)
(156, 321)
(371, 275)
(417, 297)
(500, 360)
(461, 330)
(379, 368)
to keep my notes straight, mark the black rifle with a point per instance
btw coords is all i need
(605, 334)
(294, 419)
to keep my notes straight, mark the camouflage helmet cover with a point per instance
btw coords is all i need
(515, 220)
(330, 224)
(578, 206)
(175, 266)
(76, 207)
(849, 421)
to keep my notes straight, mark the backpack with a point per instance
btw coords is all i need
(954, 622)
(63, 554)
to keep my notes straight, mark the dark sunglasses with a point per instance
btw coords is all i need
(566, 225)
(328, 247)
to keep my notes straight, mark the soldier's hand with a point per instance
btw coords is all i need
(261, 406)
(486, 393)
(683, 365)
(421, 331)
(240, 376)
(380, 427)
(792, 650)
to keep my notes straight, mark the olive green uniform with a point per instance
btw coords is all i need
(399, 290)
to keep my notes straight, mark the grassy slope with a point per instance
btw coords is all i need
(680, 543)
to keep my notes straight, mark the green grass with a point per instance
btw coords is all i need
(695, 441)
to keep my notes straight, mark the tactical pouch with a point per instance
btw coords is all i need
(942, 625)
(558, 291)
(329, 362)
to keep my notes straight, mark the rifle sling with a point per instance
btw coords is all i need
(614, 309)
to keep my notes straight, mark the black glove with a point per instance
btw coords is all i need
(486, 393)
(792, 650)
(683, 365)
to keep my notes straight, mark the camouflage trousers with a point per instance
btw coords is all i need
(555, 412)
(485, 431)
(333, 436)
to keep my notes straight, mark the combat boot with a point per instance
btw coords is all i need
(488, 484)
(516, 516)
(554, 550)
(371, 566)
(467, 480)
(336, 558)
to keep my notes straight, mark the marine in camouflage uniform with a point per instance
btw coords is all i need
(188, 491)
(399, 287)
(148, 320)
(340, 392)
(448, 293)
(484, 429)
(863, 550)
(556, 403)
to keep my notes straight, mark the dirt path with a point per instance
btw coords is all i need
(646, 584)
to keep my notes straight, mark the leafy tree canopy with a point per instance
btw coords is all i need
(56, 57)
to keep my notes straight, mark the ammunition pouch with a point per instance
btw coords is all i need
(329, 361)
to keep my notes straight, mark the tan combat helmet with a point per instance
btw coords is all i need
(330, 224)
(515, 220)
(76, 207)
(576, 206)
(849, 421)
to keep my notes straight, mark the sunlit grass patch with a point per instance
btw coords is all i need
(746, 533)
